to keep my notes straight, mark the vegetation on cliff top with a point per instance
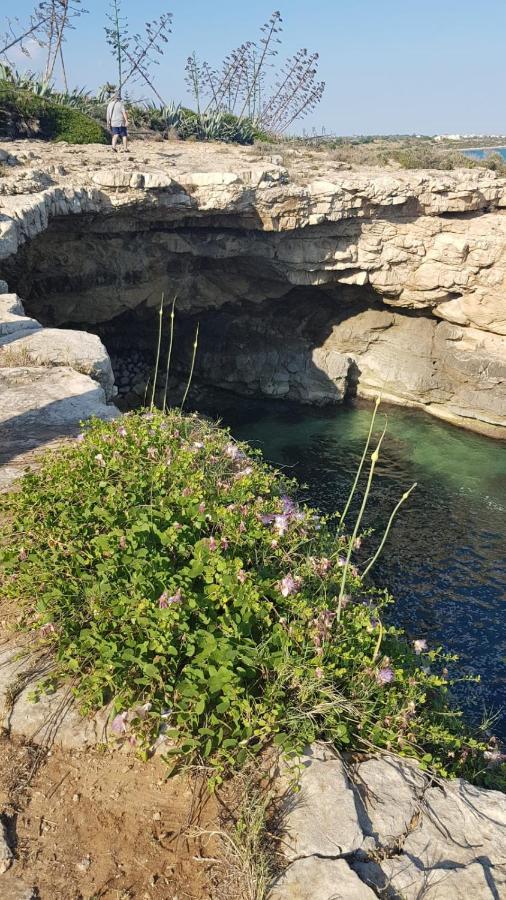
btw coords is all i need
(24, 114)
(174, 576)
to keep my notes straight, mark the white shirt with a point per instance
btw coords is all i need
(116, 113)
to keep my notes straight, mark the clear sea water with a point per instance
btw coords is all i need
(445, 561)
(481, 154)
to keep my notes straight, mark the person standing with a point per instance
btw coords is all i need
(117, 122)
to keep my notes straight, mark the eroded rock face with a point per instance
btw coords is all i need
(381, 829)
(422, 255)
(50, 381)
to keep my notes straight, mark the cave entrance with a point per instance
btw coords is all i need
(274, 322)
(279, 349)
(262, 332)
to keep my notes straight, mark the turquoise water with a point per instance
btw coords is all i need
(445, 560)
(481, 154)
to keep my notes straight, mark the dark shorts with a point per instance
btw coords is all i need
(120, 130)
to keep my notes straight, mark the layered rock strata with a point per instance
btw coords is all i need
(411, 267)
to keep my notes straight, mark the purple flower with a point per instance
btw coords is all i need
(281, 524)
(267, 519)
(198, 445)
(289, 585)
(202, 507)
(164, 601)
(419, 646)
(212, 543)
(224, 544)
(47, 629)
(289, 506)
(80, 437)
(140, 712)
(241, 576)
(385, 675)
(233, 452)
(242, 527)
(118, 724)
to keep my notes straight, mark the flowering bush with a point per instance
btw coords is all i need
(176, 577)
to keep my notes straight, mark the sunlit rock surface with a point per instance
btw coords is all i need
(409, 268)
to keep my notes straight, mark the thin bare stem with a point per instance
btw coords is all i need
(378, 644)
(169, 354)
(195, 345)
(361, 465)
(143, 75)
(374, 460)
(389, 525)
(155, 378)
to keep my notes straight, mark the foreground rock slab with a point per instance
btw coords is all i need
(380, 827)
(321, 879)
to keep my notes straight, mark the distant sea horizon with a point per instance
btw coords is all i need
(481, 153)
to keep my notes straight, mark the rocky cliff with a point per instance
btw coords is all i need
(311, 282)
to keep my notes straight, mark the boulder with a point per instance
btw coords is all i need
(322, 818)
(320, 879)
(78, 350)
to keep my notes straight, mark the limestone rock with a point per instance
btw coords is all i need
(49, 397)
(12, 316)
(321, 819)
(227, 227)
(48, 719)
(78, 350)
(391, 792)
(210, 179)
(6, 854)
(320, 879)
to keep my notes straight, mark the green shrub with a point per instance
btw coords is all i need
(171, 574)
(23, 114)
(426, 157)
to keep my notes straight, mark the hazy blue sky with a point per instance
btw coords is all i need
(390, 65)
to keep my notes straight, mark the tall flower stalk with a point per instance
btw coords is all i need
(169, 354)
(195, 345)
(351, 544)
(158, 348)
(387, 529)
(360, 466)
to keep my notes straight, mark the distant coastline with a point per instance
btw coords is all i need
(473, 149)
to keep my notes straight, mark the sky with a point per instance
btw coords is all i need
(390, 66)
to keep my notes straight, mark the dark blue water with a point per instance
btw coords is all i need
(482, 154)
(445, 560)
